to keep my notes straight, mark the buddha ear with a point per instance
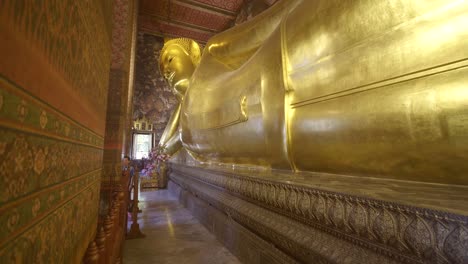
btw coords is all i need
(195, 53)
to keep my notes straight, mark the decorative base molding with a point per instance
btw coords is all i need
(243, 243)
(316, 226)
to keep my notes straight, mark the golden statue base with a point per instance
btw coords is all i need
(319, 218)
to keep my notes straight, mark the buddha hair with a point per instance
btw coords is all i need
(191, 47)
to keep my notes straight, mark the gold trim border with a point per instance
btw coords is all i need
(14, 90)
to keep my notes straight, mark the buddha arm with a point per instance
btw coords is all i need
(171, 128)
(234, 46)
(173, 144)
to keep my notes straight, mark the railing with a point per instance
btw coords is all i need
(135, 227)
(107, 246)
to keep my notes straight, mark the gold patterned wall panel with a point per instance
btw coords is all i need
(54, 76)
(48, 163)
(60, 52)
(108, 13)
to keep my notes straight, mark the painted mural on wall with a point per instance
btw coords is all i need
(152, 97)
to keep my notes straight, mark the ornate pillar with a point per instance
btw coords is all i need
(119, 97)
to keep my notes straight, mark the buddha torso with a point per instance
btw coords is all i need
(334, 87)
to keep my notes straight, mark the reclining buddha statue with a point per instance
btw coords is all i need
(363, 88)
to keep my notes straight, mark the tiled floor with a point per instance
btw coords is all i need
(173, 235)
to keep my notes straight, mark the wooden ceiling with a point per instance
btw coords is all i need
(195, 19)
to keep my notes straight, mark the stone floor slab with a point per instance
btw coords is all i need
(173, 235)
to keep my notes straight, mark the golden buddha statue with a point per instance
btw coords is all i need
(363, 88)
(178, 60)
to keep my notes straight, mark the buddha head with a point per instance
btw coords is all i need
(177, 62)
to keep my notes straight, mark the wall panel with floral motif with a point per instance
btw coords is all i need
(54, 74)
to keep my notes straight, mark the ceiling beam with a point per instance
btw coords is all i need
(164, 35)
(206, 8)
(181, 24)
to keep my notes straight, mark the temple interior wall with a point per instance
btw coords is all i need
(55, 62)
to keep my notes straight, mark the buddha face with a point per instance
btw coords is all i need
(177, 67)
